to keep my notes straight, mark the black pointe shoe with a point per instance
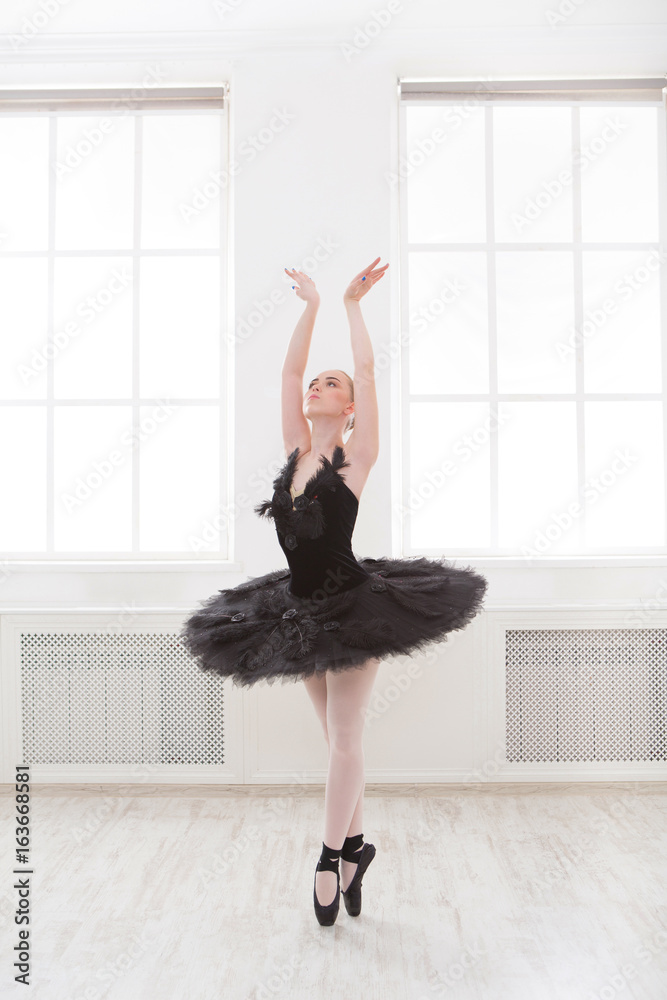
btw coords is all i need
(352, 895)
(327, 914)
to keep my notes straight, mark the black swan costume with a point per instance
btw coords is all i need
(328, 611)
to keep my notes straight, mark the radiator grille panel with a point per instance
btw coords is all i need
(90, 698)
(593, 694)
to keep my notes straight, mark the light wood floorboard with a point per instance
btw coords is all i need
(478, 892)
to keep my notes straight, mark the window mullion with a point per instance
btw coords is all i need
(662, 235)
(403, 521)
(578, 281)
(136, 265)
(50, 333)
(492, 312)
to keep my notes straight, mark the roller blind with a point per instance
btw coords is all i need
(636, 89)
(145, 96)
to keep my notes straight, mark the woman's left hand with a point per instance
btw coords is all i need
(305, 287)
(363, 281)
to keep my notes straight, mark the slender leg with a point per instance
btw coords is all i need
(348, 868)
(317, 690)
(348, 695)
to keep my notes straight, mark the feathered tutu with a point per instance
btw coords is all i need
(260, 631)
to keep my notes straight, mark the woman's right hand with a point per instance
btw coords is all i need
(305, 287)
(363, 281)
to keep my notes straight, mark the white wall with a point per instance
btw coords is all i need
(323, 179)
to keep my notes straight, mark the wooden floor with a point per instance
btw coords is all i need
(491, 892)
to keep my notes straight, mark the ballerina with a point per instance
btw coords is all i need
(330, 618)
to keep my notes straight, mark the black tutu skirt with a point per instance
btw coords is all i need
(258, 631)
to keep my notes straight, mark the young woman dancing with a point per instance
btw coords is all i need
(330, 618)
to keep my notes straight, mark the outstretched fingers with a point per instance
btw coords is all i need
(374, 276)
(367, 270)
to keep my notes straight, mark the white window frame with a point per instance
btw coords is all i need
(571, 93)
(52, 103)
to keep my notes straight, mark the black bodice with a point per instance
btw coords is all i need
(315, 528)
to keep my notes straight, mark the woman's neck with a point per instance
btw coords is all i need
(324, 444)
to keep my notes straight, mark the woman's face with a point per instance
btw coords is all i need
(328, 394)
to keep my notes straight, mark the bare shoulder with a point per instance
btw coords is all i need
(359, 468)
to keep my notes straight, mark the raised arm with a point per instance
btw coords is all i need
(296, 430)
(364, 441)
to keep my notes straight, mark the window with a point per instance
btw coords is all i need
(113, 377)
(533, 317)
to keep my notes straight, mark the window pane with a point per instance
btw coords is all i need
(180, 327)
(85, 301)
(532, 159)
(619, 174)
(621, 329)
(23, 497)
(539, 338)
(93, 478)
(24, 171)
(24, 325)
(535, 318)
(446, 174)
(537, 462)
(625, 502)
(95, 182)
(93, 323)
(181, 183)
(180, 479)
(448, 503)
(448, 323)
